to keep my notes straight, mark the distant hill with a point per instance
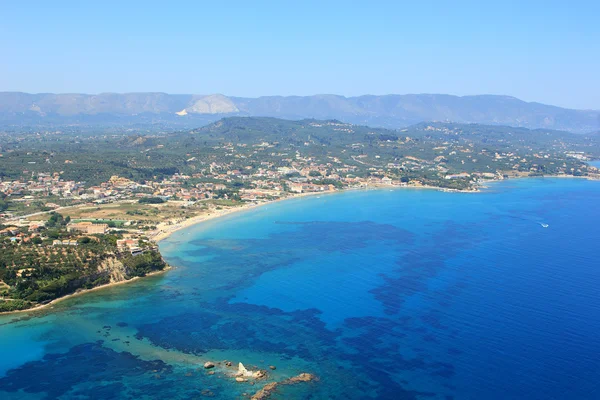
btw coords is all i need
(390, 111)
(257, 129)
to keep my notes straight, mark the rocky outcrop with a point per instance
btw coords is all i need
(245, 373)
(209, 365)
(269, 388)
(242, 371)
(114, 269)
(213, 104)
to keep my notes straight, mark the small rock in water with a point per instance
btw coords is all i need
(207, 393)
(260, 374)
(228, 363)
(211, 372)
(208, 365)
(272, 367)
(240, 379)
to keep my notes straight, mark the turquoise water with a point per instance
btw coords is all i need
(404, 294)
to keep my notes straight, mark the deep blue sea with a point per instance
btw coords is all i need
(387, 294)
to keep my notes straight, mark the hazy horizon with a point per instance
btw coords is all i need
(295, 95)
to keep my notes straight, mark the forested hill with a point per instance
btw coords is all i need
(428, 151)
(186, 111)
(334, 132)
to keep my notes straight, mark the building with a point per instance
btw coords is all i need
(11, 231)
(65, 243)
(122, 243)
(87, 227)
(136, 251)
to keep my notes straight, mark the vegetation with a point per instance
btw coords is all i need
(151, 200)
(3, 203)
(37, 271)
(14, 305)
(426, 152)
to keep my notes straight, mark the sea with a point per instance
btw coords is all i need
(381, 294)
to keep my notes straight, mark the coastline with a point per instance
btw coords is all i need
(85, 291)
(167, 230)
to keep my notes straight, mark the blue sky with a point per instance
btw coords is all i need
(543, 51)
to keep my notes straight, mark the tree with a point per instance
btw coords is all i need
(151, 200)
(53, 233)
(3, 205)
(56, 220)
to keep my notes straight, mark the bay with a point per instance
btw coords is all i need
(401, 294)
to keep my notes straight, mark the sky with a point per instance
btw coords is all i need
(543, 51)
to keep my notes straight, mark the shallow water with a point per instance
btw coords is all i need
(404, 294)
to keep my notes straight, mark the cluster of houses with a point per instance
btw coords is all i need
(82, 228)
(43, 185)
(306, 187)
(266, 180)
(22, 233)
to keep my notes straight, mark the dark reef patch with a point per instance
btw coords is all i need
(90, 363)
(257, 328)
(227, 326)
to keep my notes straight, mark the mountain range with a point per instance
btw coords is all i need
(186, 110)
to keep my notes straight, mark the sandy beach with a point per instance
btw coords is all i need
(166, 229)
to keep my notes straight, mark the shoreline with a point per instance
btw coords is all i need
(169, 230)
(85, 291)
